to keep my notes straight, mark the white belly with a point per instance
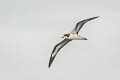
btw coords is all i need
(75, 37)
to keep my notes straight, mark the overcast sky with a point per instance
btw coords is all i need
(29, 30)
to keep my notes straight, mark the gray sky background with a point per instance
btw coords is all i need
(29, 29)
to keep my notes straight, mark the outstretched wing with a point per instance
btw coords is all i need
(80, 24)
(57, 49)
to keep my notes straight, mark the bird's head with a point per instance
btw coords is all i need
(65, 36)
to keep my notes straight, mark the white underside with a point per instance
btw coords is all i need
(75, 37)
(72, 37)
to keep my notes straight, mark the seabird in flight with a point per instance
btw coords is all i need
(73, 35)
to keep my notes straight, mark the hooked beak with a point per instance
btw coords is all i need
(62, 37)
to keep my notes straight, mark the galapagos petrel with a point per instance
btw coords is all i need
(73, 35)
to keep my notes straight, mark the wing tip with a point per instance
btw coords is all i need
(50, 61)
(94, 17)
(97, 16)
(49, 64)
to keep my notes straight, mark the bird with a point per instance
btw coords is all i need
(73, 35)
